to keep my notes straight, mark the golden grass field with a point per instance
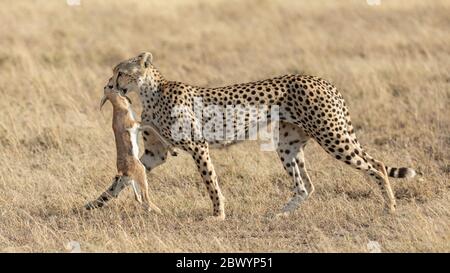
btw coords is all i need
(391, 62)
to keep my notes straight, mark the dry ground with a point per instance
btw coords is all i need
(391, 62)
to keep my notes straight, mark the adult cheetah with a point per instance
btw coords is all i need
(309, 107)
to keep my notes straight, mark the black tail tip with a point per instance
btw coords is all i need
(401, 172)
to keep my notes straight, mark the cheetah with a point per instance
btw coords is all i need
(130, 169)
(309, 108)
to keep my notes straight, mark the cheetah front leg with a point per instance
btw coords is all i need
(200, 153)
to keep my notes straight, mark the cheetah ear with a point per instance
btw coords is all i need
(146, 59)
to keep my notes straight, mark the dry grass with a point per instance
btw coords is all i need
(391, 63)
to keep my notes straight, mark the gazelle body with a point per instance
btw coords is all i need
(129, 168)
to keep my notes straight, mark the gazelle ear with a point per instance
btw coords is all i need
(146, 59)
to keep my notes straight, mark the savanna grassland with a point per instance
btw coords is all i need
(391, 62)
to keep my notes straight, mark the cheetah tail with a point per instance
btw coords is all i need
(400, 172)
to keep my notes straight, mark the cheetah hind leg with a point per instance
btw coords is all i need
(300, 192)
(376, 170)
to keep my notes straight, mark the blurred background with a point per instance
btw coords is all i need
(389, 59)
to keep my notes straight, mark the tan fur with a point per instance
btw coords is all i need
(129, 168)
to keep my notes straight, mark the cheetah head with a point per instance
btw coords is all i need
(133, 74)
